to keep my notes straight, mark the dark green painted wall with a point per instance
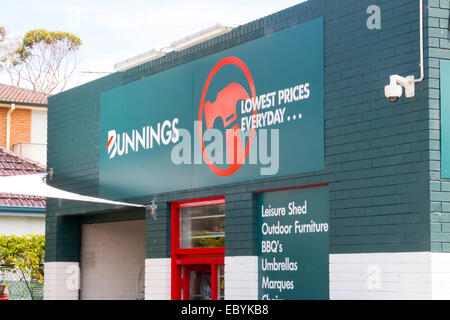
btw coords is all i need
(376, 153)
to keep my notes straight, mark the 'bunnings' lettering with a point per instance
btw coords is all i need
(144, 138)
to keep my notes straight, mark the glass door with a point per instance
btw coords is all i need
(202, 282)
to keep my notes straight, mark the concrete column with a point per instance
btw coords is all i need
(61, 281)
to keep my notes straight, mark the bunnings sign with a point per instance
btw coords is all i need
(253, 111)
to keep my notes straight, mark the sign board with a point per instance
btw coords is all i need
(293, 260)
(252, 111)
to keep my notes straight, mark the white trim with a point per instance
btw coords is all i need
(8, 125)
(158, 279)
(356, 276)
(241, 278)
(400, 275)
(61, 280)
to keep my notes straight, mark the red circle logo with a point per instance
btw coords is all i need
(225, 108)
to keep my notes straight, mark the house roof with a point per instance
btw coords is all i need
(22, 96)
(10, 165)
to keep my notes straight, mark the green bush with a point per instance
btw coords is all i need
(24, 254)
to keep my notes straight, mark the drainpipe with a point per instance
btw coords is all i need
(421, 42)
(8, 125)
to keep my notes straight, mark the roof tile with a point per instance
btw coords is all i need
(20, 95)
(12, 164)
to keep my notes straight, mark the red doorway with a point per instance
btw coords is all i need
(202, 282)
(198, 249)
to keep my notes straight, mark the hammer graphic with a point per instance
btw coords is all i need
(225, 108)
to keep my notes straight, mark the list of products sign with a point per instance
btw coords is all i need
(293, 244)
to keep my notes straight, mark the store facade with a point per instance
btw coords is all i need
(277, 167)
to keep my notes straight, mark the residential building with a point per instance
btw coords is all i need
(23, 122)
(20, 214)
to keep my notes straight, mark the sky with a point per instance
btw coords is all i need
(115, 30)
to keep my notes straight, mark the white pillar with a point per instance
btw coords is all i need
(61, 281)
(400, 275)
(241, 278)
(158, 279)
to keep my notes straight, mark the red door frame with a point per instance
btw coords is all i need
(195, 256)
(201, 267)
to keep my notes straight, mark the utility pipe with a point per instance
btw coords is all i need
(421, 42)
(8, 125)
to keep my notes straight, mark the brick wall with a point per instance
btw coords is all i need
(158, 279)
(386, 276)
(376, 153)
(20, 126)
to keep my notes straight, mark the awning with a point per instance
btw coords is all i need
(35, 185)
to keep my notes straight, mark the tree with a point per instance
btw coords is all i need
(43, 60)
(2, 33)
(24, 255)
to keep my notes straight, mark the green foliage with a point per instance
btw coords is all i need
(42, 60)
(208, 242)
(23, 254)
(41, 36)
(2, 33)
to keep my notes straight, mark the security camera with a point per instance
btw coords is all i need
(393, 92)
(394, 89)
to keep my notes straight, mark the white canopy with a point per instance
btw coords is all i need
(34, 185)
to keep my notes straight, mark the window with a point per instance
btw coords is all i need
(198, 249)
(202, 227)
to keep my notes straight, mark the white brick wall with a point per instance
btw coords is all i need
(61, 280)
(113, 260)
(410, 275)
(158, 279)
(241, 278)
(440, 276)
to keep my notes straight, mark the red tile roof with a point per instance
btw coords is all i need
(20, 95)
(11, 165)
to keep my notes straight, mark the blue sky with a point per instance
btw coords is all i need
(114, 30)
